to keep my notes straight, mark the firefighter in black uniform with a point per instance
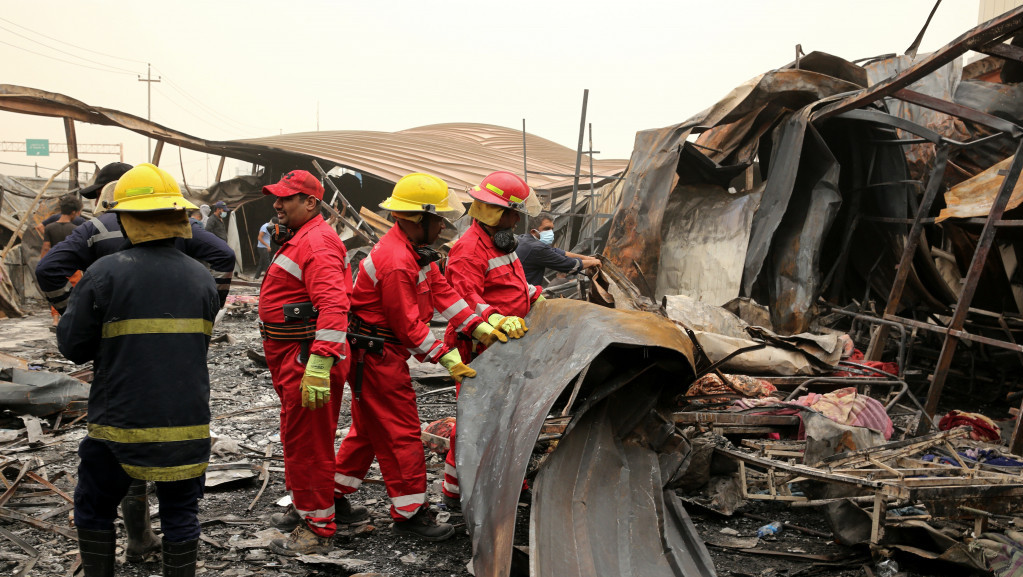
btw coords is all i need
(144, 317)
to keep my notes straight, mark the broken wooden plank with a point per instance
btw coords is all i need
(50, 486)
(44, 525)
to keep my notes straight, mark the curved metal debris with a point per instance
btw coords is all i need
(501, 411)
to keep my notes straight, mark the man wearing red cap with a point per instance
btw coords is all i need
(303, 313)
(484, 269)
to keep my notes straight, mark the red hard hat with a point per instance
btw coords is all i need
(503, 189)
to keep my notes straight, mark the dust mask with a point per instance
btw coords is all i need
(547, 237)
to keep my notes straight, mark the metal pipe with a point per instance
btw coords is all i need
(578, 163)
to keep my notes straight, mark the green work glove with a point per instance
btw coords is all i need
(316, 382)
(539, 300)
(452, 361)
(488, 335)
(514, 327)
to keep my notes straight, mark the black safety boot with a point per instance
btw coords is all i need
(179, 558)
(286, 521)
(97, 550)
(452, 503)
(137, 525)
(425, 526)
(346, 513)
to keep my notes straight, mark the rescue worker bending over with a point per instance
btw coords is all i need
(143, 316)
(396, 292)
(484, 269)
(303, 313)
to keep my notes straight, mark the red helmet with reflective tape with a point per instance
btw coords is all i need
(507, 190)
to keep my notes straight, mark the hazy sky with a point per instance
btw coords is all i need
(253, 68)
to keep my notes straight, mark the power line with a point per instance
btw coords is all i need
(64, 51)
(65, 61)
(199, 103)
(72, 45)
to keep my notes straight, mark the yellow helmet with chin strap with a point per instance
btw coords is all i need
(421, 192)
(147, 188)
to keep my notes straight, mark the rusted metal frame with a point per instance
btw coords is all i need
(893, 449)
(984, 242)
(220, 168)
(17, 481)
(978, 220)
(804, 387)
(959, 334)
(974, 39)
(1012, 339)
(575, 391)
(1004, 51)
(7, 513)
(901, 358)
(959, 111)
(72, 153)
(878, 339)
(885, 119)
(50, 486)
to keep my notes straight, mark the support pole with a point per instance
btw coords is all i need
(220, 168)
(72, 153)
(578, 162)
(149, 103)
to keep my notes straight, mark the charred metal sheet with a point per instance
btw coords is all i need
(635, 240)
(39, 393)
(975, 196)
(601, 474)
(501, 411)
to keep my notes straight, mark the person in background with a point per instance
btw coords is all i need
(263, 247)
(537, 255)
(195, 217)
(58, 230)
(204, 210)
(216, 223)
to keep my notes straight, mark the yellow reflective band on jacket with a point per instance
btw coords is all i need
(156, 326)
(153, 435)
(178, 473)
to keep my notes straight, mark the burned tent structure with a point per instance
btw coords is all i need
(821, 185)
(363, 165)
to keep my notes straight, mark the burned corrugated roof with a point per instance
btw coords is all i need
(460, 153)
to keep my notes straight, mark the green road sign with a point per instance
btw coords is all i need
(37, 147)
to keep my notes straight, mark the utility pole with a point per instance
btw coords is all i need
(149, 105)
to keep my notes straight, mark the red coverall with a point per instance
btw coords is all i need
(392, 291)
(312, 266)
(491, 281)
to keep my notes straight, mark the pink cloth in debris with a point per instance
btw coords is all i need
(844, 406)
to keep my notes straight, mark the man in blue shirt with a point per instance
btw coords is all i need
(537, 254)
(263, 247)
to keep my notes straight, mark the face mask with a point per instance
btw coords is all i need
(547, 236)
(426, 255)
(505, 240)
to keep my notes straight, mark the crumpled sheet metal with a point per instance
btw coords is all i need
(599, 477)
(704, 245)
(974, 197)
(39, 393)
(636, 230)
(501, 410)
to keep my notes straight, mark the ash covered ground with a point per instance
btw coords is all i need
(236, 529)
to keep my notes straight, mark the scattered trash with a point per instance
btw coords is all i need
(770, 529)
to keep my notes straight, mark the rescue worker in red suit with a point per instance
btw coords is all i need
(396, 292)
(485, 270)
(303, 313)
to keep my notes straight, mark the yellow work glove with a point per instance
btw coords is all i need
(488, 335)
(316, 382)
(514, 327)
(452, 361)
(539, 300)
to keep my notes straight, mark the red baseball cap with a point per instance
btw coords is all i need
(295, 182)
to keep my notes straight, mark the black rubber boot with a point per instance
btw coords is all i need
(137, 524)
(97, 550)
(425, 526)
(346, 513)
(179, 558)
